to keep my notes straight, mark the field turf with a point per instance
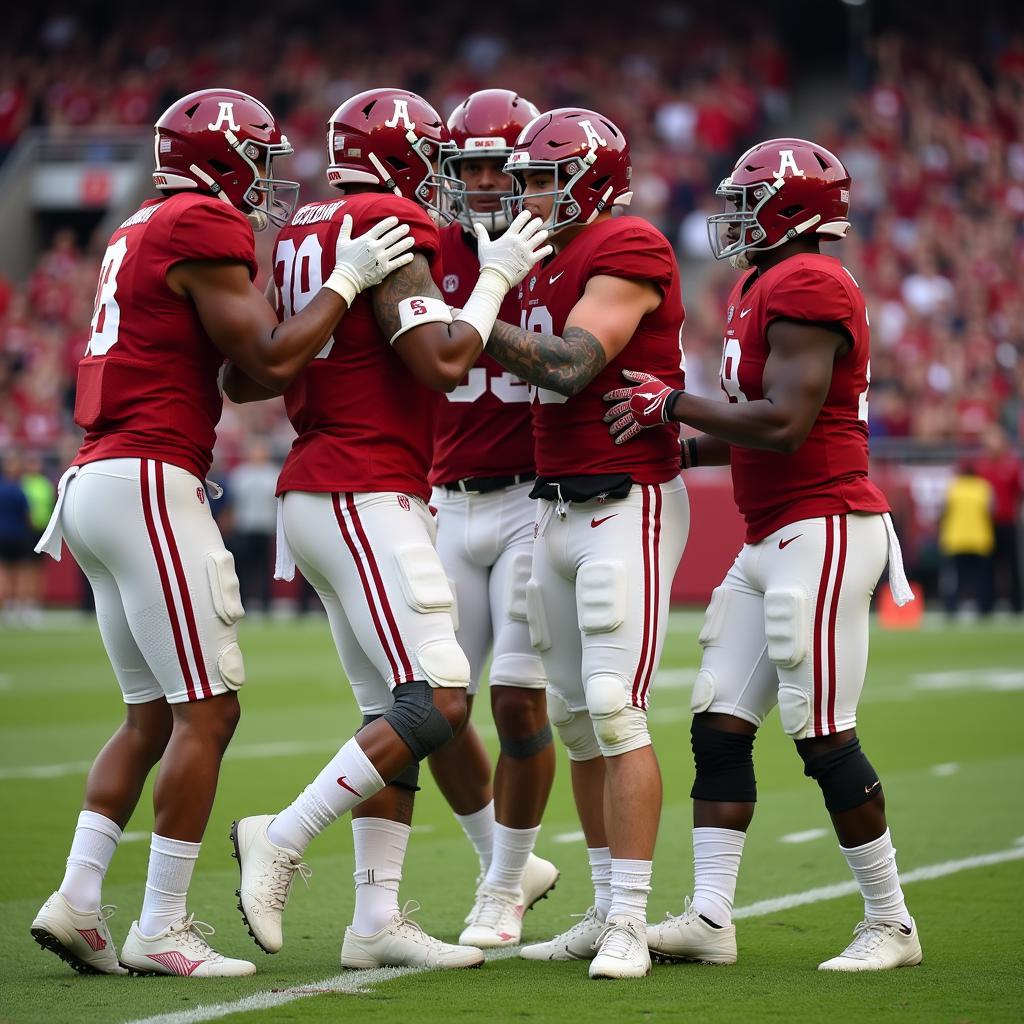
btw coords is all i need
(941, 720)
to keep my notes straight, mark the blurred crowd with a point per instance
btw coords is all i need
(932, 131)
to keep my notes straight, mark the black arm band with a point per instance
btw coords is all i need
(689, 451)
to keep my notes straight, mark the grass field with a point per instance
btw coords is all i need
(941, 720)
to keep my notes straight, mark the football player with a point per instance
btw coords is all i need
(482, 474)
(354, 514)
(611, 522)
(175, 297)
(789, 624)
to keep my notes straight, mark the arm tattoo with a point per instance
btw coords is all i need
(565, 364)
(405, 283)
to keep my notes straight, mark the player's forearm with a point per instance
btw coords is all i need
(285, 351)
(565, 364)
(705, 450)
(241, 388)
(761, 424)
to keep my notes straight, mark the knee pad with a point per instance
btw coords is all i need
(421, 727)
(845, 776)
(408, 778)
(619, 726)
(443, 662)
(529, 746)
(231, 666)
(601, 597)
(575, 729)
(515, 669)
(724, 763)
(519, 576)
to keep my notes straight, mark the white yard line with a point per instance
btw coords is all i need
(804, 837)
(355, 982)
(568, 837)
(942, 770)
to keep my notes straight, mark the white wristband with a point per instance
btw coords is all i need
(481, 308)
(341, 283)
(421, 309)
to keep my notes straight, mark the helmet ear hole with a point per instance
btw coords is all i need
(791, 211)
(219, 166)
(599, 185)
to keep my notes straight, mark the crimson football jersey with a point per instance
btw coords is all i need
(570, 435)
(483, 429)
(364, 422)
(828, 474)
(147, 385)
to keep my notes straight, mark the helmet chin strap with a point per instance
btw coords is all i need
(258, 219)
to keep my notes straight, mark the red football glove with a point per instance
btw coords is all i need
(643, 405)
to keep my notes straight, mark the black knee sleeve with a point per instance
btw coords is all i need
(520, 750)
(409, 778)
(725, 765)
(420, 725)
(845, 776)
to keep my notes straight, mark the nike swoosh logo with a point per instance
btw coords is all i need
(552, 280)
(345, 785)
(744, 312)
(598, 522)
(874, 785)
(786, 543)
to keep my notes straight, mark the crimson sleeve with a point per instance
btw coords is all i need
(639, 252)
(211, 230)
(812, 295)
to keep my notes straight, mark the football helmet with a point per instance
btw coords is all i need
(486, 124)
(224, 142)
(778, 190)
(396, 139)
(586, 154)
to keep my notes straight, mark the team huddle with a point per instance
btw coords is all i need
(482, 360)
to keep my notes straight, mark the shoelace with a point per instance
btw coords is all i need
(588, 920)
(194, 935)
(688, 911)
(414, 930)
(491, 907)
(107, 911)
(283, 872)
(869, 935)
(618, 939)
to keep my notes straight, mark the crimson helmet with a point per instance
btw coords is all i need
(212, 141)
(779, 189)
(486, 125)
(396, 139)
(588, 158)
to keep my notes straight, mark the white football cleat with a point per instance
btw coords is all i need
(181, 949)
(403, 943)
(688, 937)
(538, 880)
(267, 872)
(495, 920)
(578, 943)
(80, 938)
(622, 950)
(878, 946)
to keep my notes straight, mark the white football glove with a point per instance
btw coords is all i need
(513, 254)
(366, 260)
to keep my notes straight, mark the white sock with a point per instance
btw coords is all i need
(347, 780)
(874, 867)
(380, 851)
(170, 870)
(479, 829)
(512, 849)
(716, 865)
(96, 839)
(601, 876)
(631, 885)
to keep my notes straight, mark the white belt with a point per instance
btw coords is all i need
(284, 560)
(53, 535)
(898, 585)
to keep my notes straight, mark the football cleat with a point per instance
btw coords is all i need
(182, 950)
(578, 943)
(878, 946)
(80, 938)
(538, 880)
(621, 950)
(496, 919)
(403, 943)
(267, 872)
(688, 937)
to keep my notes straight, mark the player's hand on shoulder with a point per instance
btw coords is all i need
(364, 261)
(644, 404)
(513, 254)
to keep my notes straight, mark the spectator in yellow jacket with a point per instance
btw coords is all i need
(967, 540)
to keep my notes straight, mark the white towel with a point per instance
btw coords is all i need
(284, 561)
(53, 536)
(898, 585)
